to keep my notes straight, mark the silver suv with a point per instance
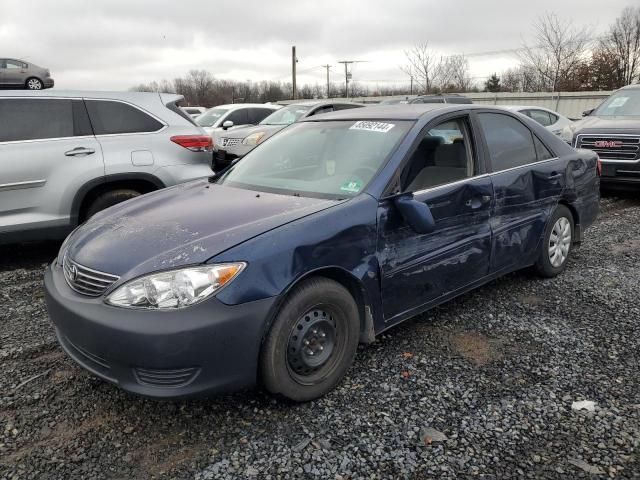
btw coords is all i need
(67, 155)
(20, 74)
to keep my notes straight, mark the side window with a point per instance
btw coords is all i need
(112, 118)
(510, 143)
(31, 119)
(553, 118)
(239, 116)
(541, 117)
(3, 63)
(442, 156)
(542, 151)
(256, 115)
(345, 106)
(325, 109)
(12, 65)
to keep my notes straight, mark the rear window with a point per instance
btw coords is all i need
(111, 118)
(33, 119)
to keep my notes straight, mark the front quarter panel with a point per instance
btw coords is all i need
(341, 237)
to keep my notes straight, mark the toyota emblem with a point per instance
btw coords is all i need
(73, 273)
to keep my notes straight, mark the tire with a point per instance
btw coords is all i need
(33, 84)
(108, 199)
(322, 312)
(557, 244)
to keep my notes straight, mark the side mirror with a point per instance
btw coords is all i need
(227, 124)
(586, 113)
(417, 214)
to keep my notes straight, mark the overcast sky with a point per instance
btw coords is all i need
(116, 44)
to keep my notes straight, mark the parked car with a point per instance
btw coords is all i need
(237, 142)
(193, 112)
(394, 101)
(16, 73)
(223, 117)
(612, 131)
(66, 155)
(442, 98)
(552, 121)
(331, 232)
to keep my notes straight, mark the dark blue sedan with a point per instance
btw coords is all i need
(324, 236)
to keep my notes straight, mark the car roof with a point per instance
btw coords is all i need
(316, 103)
(635, 86)
(409, 111)
(524, 107)
(235, 106)
(83, 94)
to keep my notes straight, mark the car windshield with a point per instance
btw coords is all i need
(335, 159)
(625, 103)
(210, 117)
(286, 115)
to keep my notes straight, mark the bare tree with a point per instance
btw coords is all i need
(559, 47)
(455, 75)
(623, 43)
(424, 66)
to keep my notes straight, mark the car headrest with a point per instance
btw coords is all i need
(452, 155)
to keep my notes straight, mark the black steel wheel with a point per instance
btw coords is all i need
(312, 342)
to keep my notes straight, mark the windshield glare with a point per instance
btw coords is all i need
(625, 103)
(210, 117)
(319, 159)
(286, 115)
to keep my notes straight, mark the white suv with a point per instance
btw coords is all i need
(67, 155)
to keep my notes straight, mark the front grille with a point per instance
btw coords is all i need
(84, 280)
(231, 142)
(612, 147)
(165, 378)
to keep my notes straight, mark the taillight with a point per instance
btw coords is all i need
(599, 167)
(195, 143)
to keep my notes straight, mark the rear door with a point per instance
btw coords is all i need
(126, 135)
(15, 73)
(445, 172)
(47, 151)
(528, 181)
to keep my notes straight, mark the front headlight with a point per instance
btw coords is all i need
(176, 288)
(567, 134)
(64, 247)
(253, 139)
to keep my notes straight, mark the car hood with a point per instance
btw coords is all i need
(596, 124)
(183, 225)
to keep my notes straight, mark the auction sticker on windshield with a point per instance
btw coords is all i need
(352, 186)
(372, 126)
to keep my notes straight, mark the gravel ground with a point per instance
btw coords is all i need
(482, 386)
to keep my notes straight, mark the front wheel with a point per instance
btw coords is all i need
(312, 342)
(556, 245)
(34, 84)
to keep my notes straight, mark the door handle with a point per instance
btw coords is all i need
(78, 151)
(554, 175)
(478, 201)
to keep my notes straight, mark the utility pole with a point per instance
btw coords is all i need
(328, 87)
(411, 89)
(294, 60)
(347, 75)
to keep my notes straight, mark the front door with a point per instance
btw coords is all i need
(419, 270)
(47, 151)
(528, 181)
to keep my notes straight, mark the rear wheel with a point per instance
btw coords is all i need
(108, 199)
(556, 245)
(34, 84)
(312, 341)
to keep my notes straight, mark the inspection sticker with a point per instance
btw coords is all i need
(372, 126)
(352, 186)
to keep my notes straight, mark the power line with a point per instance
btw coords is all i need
(347, 74)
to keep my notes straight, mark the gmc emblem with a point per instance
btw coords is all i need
(607, 143)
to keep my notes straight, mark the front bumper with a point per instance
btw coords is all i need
(621, 173)
(207, 348)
